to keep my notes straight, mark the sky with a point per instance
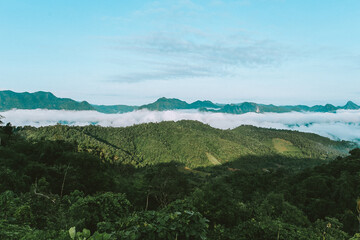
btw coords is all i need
(226, 51)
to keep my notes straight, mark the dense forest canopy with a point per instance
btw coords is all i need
(92, 182)
(193, 143)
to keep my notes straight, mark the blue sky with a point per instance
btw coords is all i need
(133, 52)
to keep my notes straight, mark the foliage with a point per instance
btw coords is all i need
(195, 144)
(57, 179)
(87, 211)
(172, 222)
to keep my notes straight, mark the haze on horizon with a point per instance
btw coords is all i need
(133, 52)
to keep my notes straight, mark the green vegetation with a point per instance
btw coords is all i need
(45, 100)
(283, 146)
(114, 183)
(163, 104)
(166, 104)
(191, 143)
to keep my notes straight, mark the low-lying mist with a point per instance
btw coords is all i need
(342, 125)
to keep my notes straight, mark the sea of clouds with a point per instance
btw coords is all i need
(341, 125)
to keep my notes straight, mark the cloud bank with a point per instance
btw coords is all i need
(342, 125)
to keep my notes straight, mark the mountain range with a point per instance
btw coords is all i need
(46, 100)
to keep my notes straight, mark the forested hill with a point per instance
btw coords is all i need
(163, 104)
(44, 100)
(69, 188)
(196, 144)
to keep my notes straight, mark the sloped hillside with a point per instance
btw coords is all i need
(190, 142)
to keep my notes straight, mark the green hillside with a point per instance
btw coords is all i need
(203, 104)
(44, 100)
(192, 143)
(58, 183)
(166, 104)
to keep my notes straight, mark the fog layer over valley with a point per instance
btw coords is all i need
(342, 125)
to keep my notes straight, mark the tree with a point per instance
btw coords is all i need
(358, 210)
(88, 211)
(0, 124)
(8, 129)
(165, 183)
(179, 220)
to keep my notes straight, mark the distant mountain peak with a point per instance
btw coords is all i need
(164, 103)
(203, 104)
(351, 106)
(164, 99)
(42, 100)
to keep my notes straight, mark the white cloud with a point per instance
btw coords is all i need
(344, 125)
